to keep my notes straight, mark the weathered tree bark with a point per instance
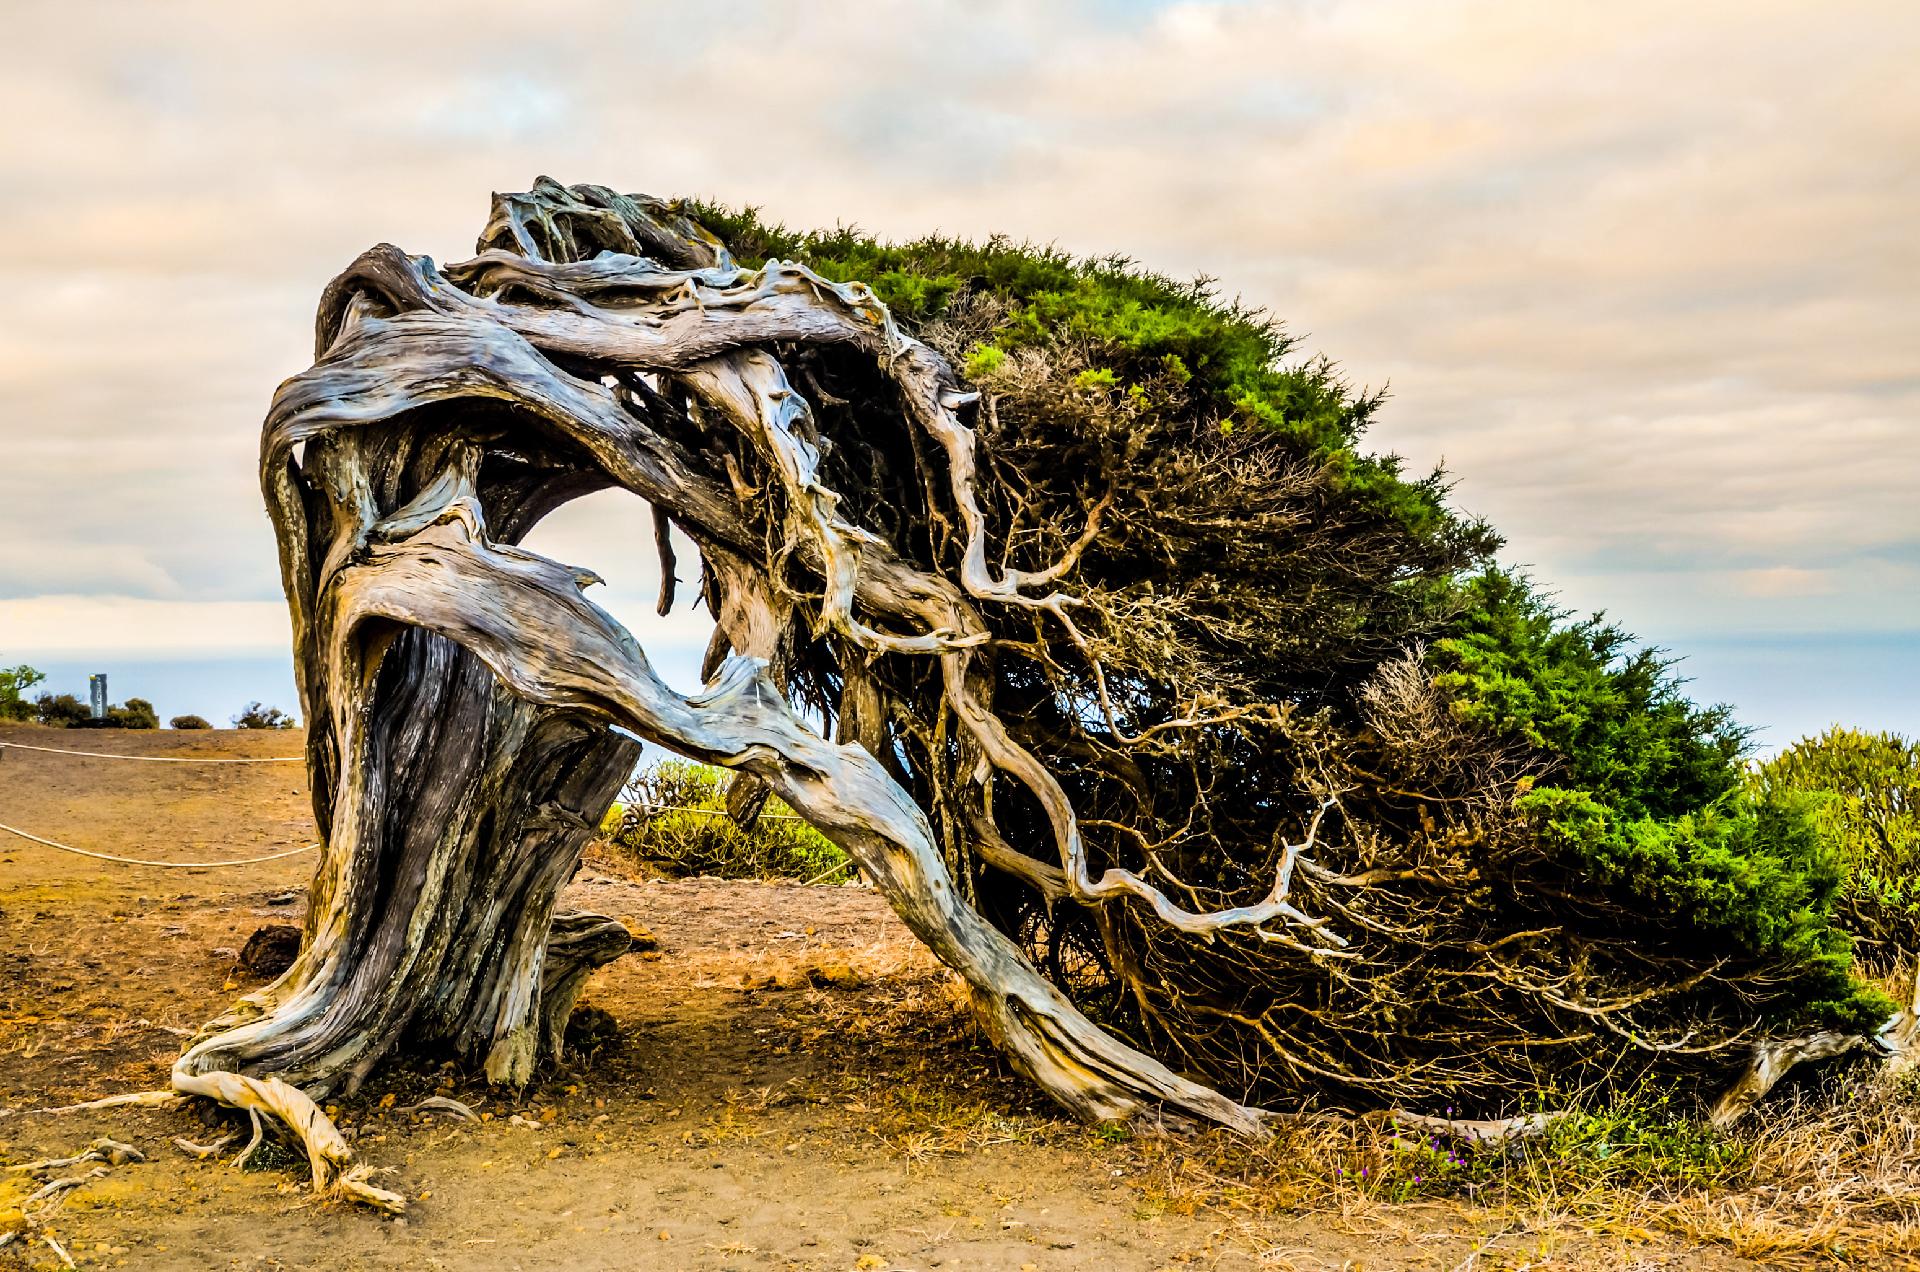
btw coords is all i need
(462, 695)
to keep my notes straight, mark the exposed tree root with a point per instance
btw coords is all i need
(59, 1187)
(106, 1150)
(244, 1158)
(327, 1151)
(126, 1099)
(1772, 1060)
(202, 1152)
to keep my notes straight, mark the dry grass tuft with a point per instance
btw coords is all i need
(1830, 1175)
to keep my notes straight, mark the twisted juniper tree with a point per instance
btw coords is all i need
(1210, 752)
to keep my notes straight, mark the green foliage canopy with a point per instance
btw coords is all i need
(14, 683)
(1143, 333)
(1643, 793)
(1865, 791)
(1630, 834)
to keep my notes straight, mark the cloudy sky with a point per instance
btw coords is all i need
(1645, 276)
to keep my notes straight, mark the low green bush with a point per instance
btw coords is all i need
(188, 722)
(673, 818)
(61, 710)
(136, 713)
(1862, 789)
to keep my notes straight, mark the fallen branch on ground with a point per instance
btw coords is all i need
(1493, 1131)
(102, 1150)
(1772, 1061)
(443, 1104)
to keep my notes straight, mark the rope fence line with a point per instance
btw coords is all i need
(154, 759)
(141, 861)
(157, 759)
(294, 852)
(646, 809)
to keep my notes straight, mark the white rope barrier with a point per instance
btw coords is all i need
(140, 861)
(157, 759)
(648, 809)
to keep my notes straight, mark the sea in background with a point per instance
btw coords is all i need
(1789, 686)
(1784, 686)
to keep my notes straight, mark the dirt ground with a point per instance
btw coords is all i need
(739, 1115)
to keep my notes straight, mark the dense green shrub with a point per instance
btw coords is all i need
(1865, 791)
(1644, 794)
(256, 716)
(188, 722)
(673, 817)
(14, 683)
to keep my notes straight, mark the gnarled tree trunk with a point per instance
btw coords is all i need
(462, 695)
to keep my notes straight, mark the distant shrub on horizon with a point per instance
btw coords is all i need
(64, 711)
(137, 713)
(256, 716)
(188, 722)
(60, 710)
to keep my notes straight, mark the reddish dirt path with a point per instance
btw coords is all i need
(716, 1127)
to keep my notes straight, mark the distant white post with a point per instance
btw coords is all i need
(97, 691)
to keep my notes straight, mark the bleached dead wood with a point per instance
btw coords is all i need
(1771, 1061)
(458, 689)
(103, 1149)
(201, 1152)
(443, 1104)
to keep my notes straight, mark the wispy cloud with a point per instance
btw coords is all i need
(67, 626)
(1641, 274)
